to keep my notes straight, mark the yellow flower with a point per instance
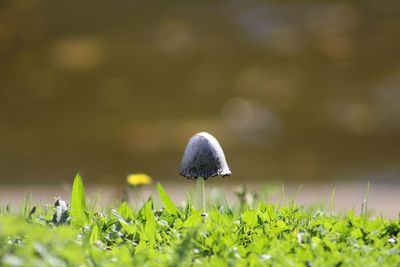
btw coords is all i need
(138, 179)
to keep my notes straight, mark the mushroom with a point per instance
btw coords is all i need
(203, 158)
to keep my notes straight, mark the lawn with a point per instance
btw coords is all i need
(262, 234)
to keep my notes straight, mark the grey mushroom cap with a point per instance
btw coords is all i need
(203, 157)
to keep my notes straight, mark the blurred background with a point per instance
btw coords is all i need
(295, 91)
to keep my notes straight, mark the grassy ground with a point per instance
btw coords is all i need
(264, 235)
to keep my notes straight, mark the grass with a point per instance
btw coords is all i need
(265, 234)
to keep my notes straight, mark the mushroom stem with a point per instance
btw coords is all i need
(204, 213)
(204, 194)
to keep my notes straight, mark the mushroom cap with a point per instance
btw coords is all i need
(203, 157)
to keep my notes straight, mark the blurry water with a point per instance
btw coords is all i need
(293, 90)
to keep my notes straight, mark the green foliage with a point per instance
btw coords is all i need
(263, 235)
(150, 225)
(169, 205)
(78, 202)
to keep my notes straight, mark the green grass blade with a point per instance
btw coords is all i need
(95, 234)
(78, 202)
(27, 205)
(169, 205)
(333, 201)
(150, 226)
(366, 199)
(128, 227)
(125, 211)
